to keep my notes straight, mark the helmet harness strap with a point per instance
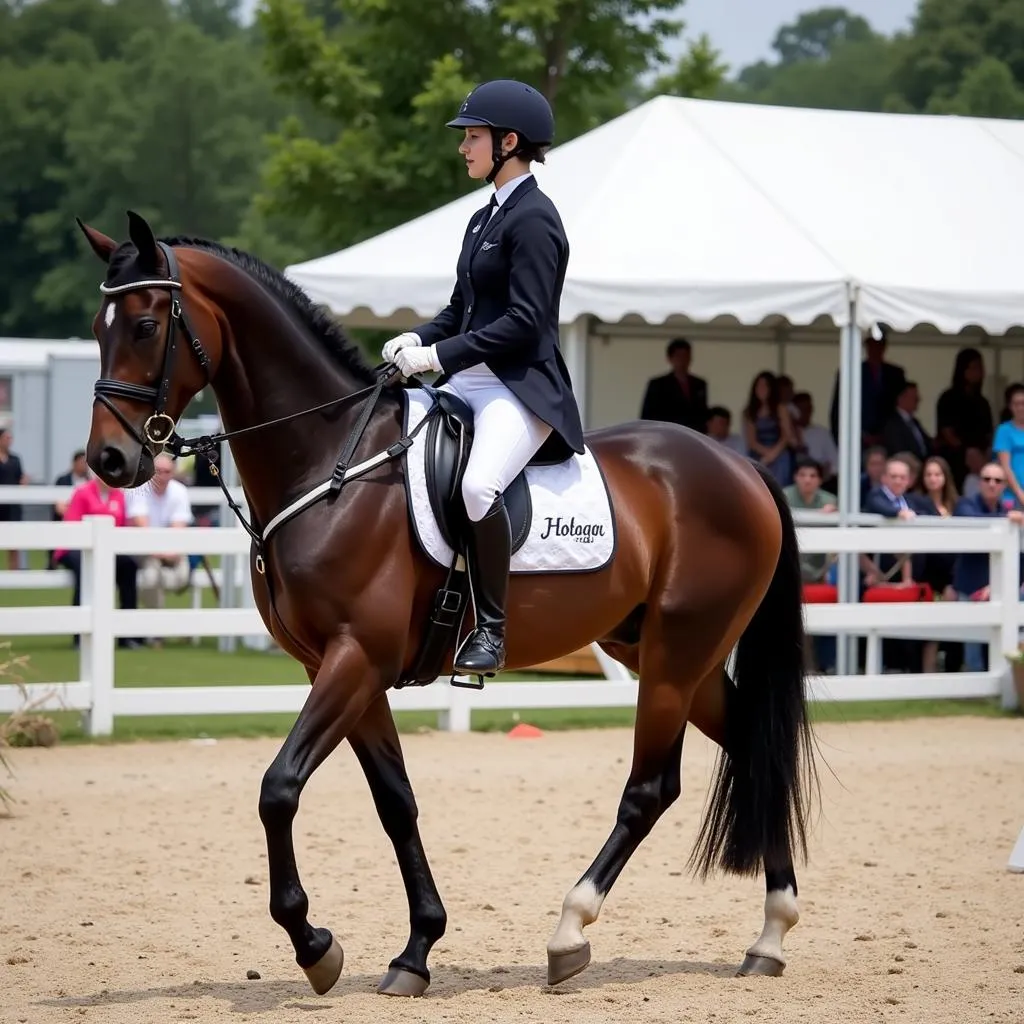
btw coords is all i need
(497, 157)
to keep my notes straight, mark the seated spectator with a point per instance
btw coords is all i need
(719, 421)
(678, 396)
(975, 459)
(1008, 447)
(95, 498)
(874, 469)
(971, 570)
(163, 502)
(903, 431)
(817, 441)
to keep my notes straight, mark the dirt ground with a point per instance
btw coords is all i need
(134, 885)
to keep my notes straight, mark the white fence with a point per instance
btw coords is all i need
(100, 622)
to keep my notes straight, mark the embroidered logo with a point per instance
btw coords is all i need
(581, 534)
(488, 245)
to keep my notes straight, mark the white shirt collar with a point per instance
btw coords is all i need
(510, 186)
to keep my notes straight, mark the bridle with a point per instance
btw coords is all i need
(158, 429)
(158, 432)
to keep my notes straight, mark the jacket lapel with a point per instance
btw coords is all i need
(527, 186)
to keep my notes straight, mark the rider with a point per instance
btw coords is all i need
(496, 342)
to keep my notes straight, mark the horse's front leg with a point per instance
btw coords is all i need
(345, 685)
(375, 742)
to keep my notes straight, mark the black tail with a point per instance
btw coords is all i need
(765, 775)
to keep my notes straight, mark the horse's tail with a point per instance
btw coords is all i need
(765, 775)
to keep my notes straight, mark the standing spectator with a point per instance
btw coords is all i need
(678, 396)
(163, 502)
(719, 422)
(971, 570)
(95, 498)
(11, 475)
(77, 474)
(1008, 448)
(903, 431)
(963, 416)
(880, 384)
(768, 429)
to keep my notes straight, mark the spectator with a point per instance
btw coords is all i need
(77, 474)
(1008, 448)
(903, 431)
(975, 459)
(971, 570)
(163, 502)
(962, 414)
(719, 422)
(817, 441)
(11, 475)
(678, 396)
(95, 498)
(768, 429)
(881, 383)
(874, 469)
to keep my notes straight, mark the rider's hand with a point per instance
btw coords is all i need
(392, 347)
(416, 360)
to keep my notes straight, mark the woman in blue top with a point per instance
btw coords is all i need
(1008, 447)
(496, 342)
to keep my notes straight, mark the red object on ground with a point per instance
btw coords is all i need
(524, 731)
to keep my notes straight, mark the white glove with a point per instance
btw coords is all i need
(392, 347)
(416, 360)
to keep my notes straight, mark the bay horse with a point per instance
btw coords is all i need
(706, 561)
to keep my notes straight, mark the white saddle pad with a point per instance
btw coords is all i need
(572, 528)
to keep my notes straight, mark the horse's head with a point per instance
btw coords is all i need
(152, 362)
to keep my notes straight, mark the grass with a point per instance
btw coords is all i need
(53, 659)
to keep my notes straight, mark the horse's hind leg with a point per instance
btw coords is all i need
(376, 745)
(653, 785)
(708, 713)
(345, 685)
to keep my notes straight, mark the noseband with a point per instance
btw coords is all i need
(159, 427)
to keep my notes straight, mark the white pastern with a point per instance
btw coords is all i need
(580, 907)
(780, 914)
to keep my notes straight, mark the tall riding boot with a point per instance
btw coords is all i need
(489, 554)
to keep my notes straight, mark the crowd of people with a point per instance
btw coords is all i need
(972, 466)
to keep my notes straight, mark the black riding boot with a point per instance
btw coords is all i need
(490, 545)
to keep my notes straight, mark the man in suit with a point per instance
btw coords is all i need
(496, 342)
(677, 396)
(903, 431)
(880, 383)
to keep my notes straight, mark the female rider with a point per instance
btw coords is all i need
(496, 342)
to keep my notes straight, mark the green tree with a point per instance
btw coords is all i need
(394, 72)
(699, 73)
(815, 35)
(948, 61)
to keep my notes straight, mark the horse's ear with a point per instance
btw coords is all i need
(101, 244)
(144, 240)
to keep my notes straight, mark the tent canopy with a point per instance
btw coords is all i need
(708, 209)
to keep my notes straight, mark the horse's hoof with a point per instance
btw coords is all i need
(398, 982)
(764, 966)
(327, 970)
(563, 966)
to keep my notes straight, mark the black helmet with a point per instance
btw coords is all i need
(511, 106)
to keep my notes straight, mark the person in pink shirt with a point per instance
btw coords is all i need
(95, 498)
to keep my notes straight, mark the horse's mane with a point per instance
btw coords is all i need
(313, 317)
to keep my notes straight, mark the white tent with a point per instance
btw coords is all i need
(712, 209)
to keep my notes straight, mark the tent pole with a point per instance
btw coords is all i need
(575, 344)
(849, 473)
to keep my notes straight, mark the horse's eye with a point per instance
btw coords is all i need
(146, 328)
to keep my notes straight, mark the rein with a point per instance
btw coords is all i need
(158, 432)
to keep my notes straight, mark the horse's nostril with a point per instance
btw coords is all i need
(112, 464)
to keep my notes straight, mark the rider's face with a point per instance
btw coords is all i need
(476, 148)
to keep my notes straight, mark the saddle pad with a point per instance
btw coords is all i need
(572, 527)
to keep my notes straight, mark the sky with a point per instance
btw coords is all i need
(743, 29)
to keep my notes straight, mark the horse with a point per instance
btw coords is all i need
(705, 569)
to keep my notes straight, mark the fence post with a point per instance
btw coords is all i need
(1004, 587)
(458, 716)
(97, 646)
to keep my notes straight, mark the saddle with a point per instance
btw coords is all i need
(448, 442)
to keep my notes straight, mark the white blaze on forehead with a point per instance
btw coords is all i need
(108, 316)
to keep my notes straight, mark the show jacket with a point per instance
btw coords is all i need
(504, 311)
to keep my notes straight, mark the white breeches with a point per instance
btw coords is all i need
(155, 579)
(506, 435)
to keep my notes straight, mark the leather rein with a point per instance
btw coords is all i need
(158, 432)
